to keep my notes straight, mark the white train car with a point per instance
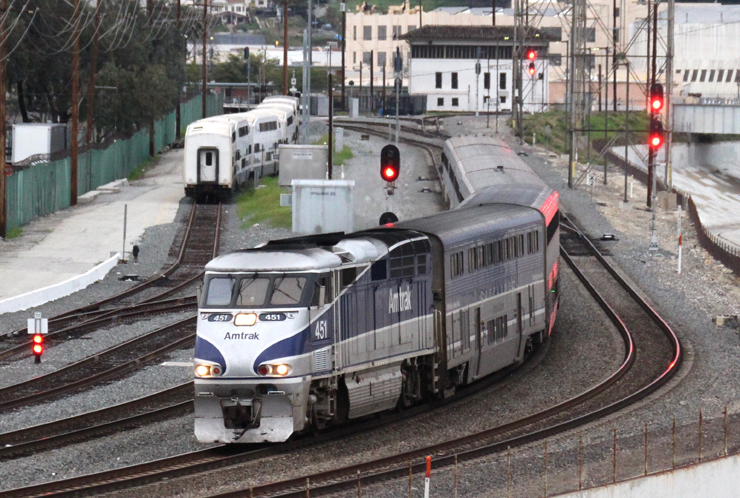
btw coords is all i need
(223, 152)
(266, 134)
(290, 121)
(216, 156)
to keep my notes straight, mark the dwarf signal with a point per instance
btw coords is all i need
(390, 163)
(37, 327)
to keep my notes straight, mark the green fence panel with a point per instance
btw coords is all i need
(45, 188)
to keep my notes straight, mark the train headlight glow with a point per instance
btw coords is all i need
(280, 370)
(203, 370)
(247, 319)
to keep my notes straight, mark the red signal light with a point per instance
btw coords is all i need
(656, 97)
(531, 55)
(656, 138)
(531, 69)
(389, 174)
(38, 345)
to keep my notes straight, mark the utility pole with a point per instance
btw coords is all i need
(74, 101)
(669, 93)
(205, 37)
(343, 8)
(515, 73)
(178, 115)
(653, 115)
(420, 10)
(3, 109)
(615, 40)
(493, 13)
(285, 47)
(372, 77)
(91, 94)
(385, 109)
(331, 127)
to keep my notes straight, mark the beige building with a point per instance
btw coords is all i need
(372, 34)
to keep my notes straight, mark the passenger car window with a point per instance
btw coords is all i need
(252, 291)
(288, 290)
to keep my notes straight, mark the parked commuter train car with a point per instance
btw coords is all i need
(310, 331)
(223, 152)
(217, 156)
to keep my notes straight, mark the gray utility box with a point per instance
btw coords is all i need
(302, 162)
(319, 105)
(31, 139)
(323, 206)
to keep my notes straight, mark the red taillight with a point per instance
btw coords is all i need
(263, 370)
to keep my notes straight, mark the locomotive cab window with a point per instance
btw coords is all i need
(209, 158)
(288, 290)
(252, 291)
(218, 291)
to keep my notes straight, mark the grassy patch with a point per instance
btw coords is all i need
(263, 205)
(559, 126)
(139, 171)
(339, 157)
(14, 233)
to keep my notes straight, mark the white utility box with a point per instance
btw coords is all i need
(323, 206)
(302, 162)
(30, 139)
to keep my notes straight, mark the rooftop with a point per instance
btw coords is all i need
(438, 33)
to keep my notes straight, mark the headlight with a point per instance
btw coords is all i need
(280, 370)
(207, 370)
(245, 319)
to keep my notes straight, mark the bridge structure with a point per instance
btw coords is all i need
(711, 116)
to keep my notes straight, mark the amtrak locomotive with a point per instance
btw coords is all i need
(305, 332)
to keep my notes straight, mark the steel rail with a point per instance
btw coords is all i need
(23, 399)
(374, 471)
(98, 316)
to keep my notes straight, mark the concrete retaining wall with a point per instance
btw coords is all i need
(53, 292)
(715, 479)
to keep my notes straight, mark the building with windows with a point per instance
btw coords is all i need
(469, 68)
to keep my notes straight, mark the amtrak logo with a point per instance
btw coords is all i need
(254, 336)
(399, 301)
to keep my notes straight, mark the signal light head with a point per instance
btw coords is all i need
(38, 339)
(656, 138)
(38, 349)
(656, 141)
(656, 97)
(531, 69)
(390, 163)
(531, 55)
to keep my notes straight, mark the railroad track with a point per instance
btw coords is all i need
(218, 457)
(199, 245)
(606, 398)
(101, 366)
(633, 381)
(172, 402)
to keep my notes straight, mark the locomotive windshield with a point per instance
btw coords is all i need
(255, 291)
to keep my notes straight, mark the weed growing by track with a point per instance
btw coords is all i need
(14, 233)
(138, 172)
(263, 205)
(340, 157)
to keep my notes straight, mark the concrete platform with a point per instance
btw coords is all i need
(66, 245)
(714, 189)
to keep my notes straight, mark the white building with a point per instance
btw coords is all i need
(443, 64)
